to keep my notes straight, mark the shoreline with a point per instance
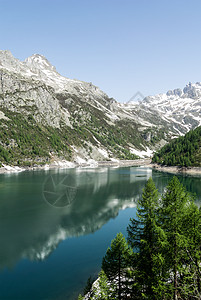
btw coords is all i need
(62, 164)
(6, 169)
(177, 170)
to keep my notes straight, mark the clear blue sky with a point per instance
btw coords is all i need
(122, 46)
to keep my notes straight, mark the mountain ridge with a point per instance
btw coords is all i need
(75, 119)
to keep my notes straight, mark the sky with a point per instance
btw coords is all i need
(121, 46)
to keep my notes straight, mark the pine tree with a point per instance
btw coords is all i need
(146, 237)
(174, 204)
(116, 262)
(191, 284)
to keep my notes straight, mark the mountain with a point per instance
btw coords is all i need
(184, 151)
(181, 109)
(45, 116)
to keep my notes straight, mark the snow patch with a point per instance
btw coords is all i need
(13, 169)
(63, 164)
(80, 160)
(103, 152)
(2, 116)
(142, 154)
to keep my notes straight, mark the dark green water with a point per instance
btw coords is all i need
(55, 226)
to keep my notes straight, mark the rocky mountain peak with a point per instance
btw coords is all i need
(175, 92)
(37, 61)
(192, 90)
(5, 54)
(8, 61)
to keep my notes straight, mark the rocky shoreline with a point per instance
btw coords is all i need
(177, 170)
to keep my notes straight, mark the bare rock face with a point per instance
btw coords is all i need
(176, 92)
(35, 85)
(28, 96)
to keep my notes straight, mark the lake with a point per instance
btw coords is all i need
(56, 225)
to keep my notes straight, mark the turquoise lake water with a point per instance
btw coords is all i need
(55, 226)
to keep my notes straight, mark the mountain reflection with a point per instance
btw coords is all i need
(30, 228)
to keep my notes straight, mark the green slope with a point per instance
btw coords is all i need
(25, 142)
(184, 151)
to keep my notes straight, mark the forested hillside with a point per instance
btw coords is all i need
(161, 259)
(184, 151)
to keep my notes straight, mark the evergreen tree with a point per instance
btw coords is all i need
(191, 280)
(116, 262)
(182, 151)
(166, 239)
(146, 237)
(175, 202)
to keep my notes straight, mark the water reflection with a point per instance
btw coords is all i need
(30, 228)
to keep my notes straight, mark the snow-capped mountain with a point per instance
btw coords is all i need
(84, 118)
(37, 68)
(180, 107)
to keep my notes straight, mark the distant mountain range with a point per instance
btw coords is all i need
(45, 116)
